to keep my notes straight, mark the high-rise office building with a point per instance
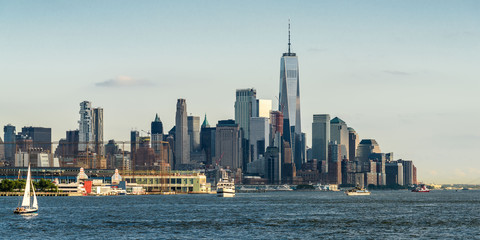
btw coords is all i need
(321, 138)
(259, 136)
(182, 141)
(134, 146)
(85, 126)
(264, 107)
(339, 134)
(334, 163)
(245, 108)
(41, 137)
(353, 141)
(156, 129)
(207, 141)
(97, 120)
(289, 102)
(228, 144)
(9, 143)
(365, 149)
(194, 133)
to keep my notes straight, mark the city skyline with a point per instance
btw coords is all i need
(403, 84)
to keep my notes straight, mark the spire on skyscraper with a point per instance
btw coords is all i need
(157, 119)
(289, 37)
(205, 122)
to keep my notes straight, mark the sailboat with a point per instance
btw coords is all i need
(28, 206)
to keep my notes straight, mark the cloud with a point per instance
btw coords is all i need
(398, 73)
(124, 81)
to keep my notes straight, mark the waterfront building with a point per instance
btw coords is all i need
(41, 137)
(334, 163)
(228, 145)
(289, 102)
(353, 141)
(273, 166)
(37, 157)
(321, 138)
(408, 172)
(182, 141)
(394, 172)
(156, 129)
(180, 182)
(339, 134)
(10, 147)
(264, 107)
(245, 108)
(194, 133)
(259, 136)
(365, 148)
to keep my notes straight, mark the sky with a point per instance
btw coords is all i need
(402, 72)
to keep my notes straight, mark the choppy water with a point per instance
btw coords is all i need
(273, 215)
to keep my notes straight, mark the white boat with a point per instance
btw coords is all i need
(28, 206)
(357, 192)
(225, 187)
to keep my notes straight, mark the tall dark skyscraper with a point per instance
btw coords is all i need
(289, 103)
(9, 141)
(157, 134)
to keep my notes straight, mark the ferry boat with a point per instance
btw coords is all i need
(422, 188)
(225, 187)
(357, 192)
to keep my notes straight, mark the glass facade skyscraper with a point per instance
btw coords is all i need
(289, 103)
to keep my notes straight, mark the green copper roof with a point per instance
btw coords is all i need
(337, 120)
(157, 119)
(205, 122)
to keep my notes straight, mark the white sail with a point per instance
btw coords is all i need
(26, 195)
(35, 203)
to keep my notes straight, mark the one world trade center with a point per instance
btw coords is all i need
(289, 103)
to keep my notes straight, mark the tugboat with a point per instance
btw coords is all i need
(422, 188)
(357, 191)
(225, 187)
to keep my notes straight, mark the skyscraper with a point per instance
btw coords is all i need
(85, 126)
(245, 108)
(259, 136)
(353, 141)
(289, 102)
(339, 134)
(157, 134)
(228, 144)
(321, 138)
(97, 114)
(182, 142)
(207, 141)
(9, 142)
(90, 128)
(194, 133)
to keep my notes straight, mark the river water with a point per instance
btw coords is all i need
(271, 215)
